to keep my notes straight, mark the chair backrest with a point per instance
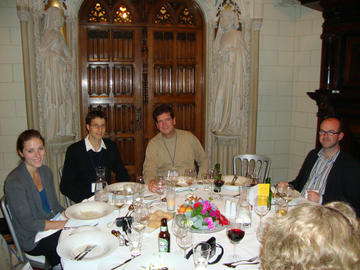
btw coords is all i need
(35, 261)
(68, 201)
(8, 218)
(253, 166)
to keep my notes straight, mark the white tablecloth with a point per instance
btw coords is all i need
(247, 248)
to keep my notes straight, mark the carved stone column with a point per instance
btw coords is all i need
(31, 15)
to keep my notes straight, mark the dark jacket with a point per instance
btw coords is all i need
(343, 183)
(79, 172)
(25, 204)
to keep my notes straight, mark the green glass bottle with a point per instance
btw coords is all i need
(268, 181)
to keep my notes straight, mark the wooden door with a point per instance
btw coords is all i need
(134, 56)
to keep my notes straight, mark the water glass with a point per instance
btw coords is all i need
(135, 242)
(201, 253)
(170, 199)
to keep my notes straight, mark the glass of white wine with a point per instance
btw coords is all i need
(119, 201)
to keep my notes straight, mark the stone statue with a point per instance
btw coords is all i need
(228, 81)
(57, 88)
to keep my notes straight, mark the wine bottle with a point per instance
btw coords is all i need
(268, 181)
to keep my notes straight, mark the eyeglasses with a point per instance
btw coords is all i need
(98, 126)
(329, 132)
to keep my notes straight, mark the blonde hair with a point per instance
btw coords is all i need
(313, 237)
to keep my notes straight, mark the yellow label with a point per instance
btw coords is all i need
(263, 194)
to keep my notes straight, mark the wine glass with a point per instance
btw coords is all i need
(159, 185)
(185, 241)
(177, 230)
(218, 183)
(118, 201)
(262, 206)
(235, 233)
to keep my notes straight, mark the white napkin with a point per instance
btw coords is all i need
(43, 234)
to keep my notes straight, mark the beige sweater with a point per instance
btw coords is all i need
(188, 149)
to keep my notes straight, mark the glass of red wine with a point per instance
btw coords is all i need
(235, 232)
(218, 183)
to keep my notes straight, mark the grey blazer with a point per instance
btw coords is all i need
(25, 205)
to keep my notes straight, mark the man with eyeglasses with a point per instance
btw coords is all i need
(84, 156)
(329, 174)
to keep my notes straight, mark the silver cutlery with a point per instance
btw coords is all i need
(83, 253)
(79, 226)
(242, 262)
(125, 262)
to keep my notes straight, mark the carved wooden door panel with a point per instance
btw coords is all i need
(133, 62)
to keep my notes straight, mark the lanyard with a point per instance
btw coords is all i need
(172, 158)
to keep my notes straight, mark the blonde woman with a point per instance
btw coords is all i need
(313, 237)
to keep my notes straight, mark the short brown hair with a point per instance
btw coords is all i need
(94, 114)
(163, 108)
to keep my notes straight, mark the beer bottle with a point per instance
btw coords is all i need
(164, 237)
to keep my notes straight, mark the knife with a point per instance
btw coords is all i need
(128, 260)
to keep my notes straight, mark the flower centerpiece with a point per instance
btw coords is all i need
(201, 214)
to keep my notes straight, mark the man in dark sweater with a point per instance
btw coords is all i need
(84, 156)
(329, 174)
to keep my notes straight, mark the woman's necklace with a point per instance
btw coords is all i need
(172, 158)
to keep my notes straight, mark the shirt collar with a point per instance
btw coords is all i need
(332, 159)
(89, 146)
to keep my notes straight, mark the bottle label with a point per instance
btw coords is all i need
(163, 245)
(163, 228)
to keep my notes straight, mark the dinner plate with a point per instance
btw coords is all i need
(125, 188)
(105, 243)
(89, 210)
(157, 260)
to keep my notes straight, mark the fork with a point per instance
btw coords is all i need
(242, 262)
(83, 253)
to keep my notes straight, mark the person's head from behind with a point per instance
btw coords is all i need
(312, 237)
(30, 146)
(330, 133)
(165, 120)
(96, 124)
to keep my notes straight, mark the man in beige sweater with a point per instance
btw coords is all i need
(172, 149)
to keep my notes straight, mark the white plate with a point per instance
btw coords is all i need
(89, 210)
(71, 246)
(158, 260)
(125, 188)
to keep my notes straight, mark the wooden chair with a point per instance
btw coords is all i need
(253, 166)
(35, 261)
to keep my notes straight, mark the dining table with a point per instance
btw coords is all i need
(248, 247)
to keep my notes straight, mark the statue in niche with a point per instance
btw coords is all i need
(57, 88)
(228, 81)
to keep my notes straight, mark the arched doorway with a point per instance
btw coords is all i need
(135, 55)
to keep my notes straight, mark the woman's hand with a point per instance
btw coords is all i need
(54, 224)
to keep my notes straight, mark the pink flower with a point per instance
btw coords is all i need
(213, 213)
(210, 223)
